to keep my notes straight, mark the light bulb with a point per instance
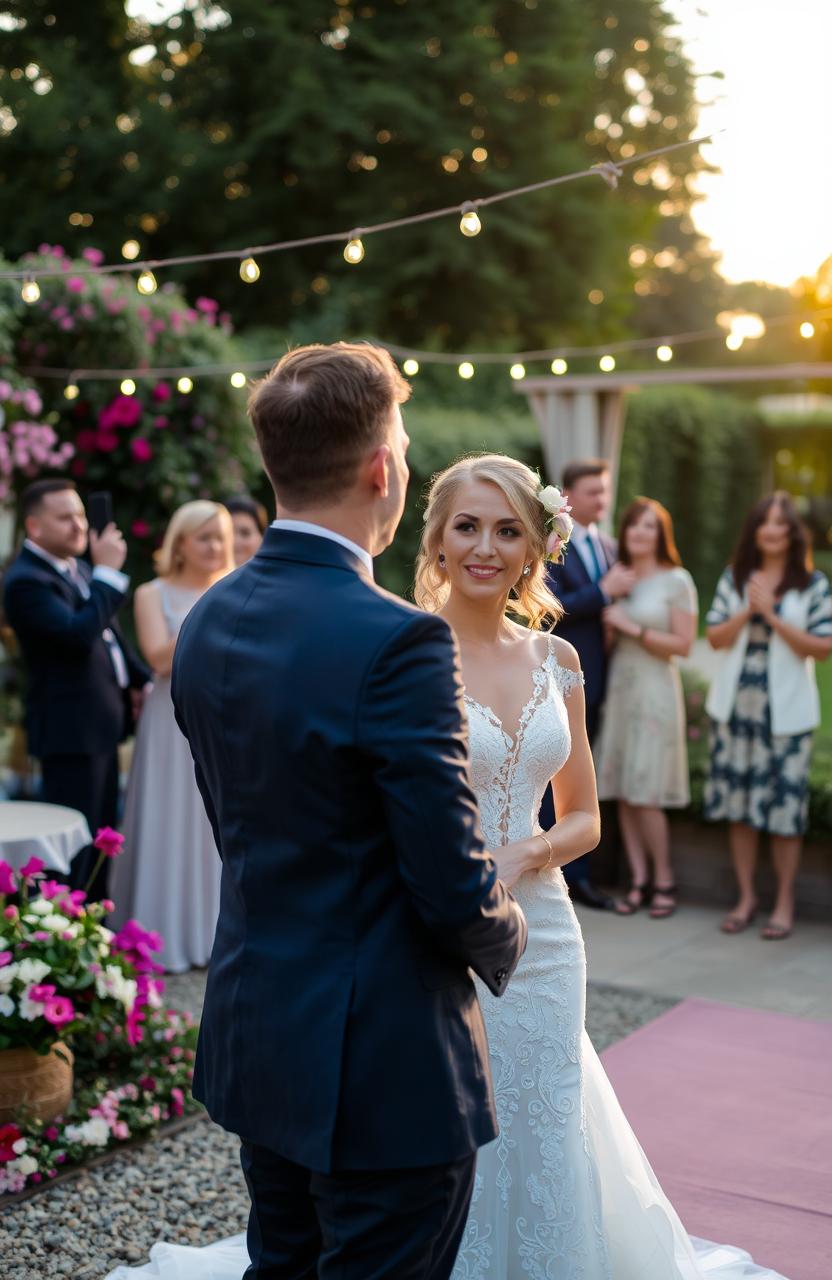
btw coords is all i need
(664, 353)
(30, 290)
(146, 283)
(559, 366)
(130, 250)
(72, 391)
(353, 250)
(734, 341)
(466, 369)
(606, 364)
(807, 329)
(517, 371)
(128, 387)
(238, 379)
(469, 223)
(184, 385)
(249, 271)
(411, 368)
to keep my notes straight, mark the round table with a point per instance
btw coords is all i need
(50, 832)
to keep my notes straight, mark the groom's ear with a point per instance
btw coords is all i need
(379, 470)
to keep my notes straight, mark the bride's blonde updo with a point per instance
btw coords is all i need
(531, 599)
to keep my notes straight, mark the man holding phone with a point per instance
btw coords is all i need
(83, 680)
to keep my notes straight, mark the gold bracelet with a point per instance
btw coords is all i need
(543, 836)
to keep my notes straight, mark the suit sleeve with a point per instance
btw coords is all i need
(580, 601)
(411, 724)
(36, 611)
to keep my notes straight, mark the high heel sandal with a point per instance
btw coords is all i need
(624, 907)
(660, 911)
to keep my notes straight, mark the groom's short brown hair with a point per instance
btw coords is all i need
(318, 412)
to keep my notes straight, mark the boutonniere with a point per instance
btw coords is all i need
(558, 521)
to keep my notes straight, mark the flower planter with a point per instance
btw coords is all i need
(40, 1084)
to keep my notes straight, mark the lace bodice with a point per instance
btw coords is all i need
(510, 775)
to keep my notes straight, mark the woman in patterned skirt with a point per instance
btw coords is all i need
(771, 619)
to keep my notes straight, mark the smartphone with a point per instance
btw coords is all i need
(100, 510)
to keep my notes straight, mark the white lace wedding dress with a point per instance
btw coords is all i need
(565, 1192)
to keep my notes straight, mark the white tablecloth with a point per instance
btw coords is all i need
(48, 831)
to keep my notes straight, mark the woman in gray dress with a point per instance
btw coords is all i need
(168, 877)
(641, 757)
(771, 620)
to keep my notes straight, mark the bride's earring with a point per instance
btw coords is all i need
(441, 559)
(527, 571)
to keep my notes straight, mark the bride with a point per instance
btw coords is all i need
(565, 1191)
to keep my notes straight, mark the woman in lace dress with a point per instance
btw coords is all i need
(168, 877)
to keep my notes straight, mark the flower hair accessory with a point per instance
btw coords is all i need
(559, 521)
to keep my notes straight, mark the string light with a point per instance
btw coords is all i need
(664, 353)
(469, 223)
(128, 387)
(130, 250)
(606, 364)
(238, 379)
(72, 391)
(734, 341)
(184, 385)
(807, 329)
(249, 271)
(146, 283)
(353, 250)
(518, 372)
(559, 366)
(411, 368)
(466, 370)
(30, 290)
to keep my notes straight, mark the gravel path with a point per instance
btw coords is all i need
(187, 1187)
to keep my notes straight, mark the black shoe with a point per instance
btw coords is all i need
(584, 892)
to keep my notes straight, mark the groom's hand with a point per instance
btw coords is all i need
(514, 860)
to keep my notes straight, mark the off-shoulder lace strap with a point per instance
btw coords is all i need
(565, 678)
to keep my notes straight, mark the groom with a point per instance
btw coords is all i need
(341, 1037)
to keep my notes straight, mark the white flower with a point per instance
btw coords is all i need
(40, 907)
(7, 975)
(32, 971)
(4, 946)
(56, 924)
(105, 933)
(6, 1006)
(30, 1009)
(20, 1146)
(553, 500)
(94, 1132)
(25, 1165)
(112, 982)
(563, 524)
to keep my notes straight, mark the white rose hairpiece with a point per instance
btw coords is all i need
(559, 521)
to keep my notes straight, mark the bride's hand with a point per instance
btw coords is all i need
(514, 860)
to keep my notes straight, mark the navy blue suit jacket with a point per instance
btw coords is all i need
(74, 705)
(581, 625)
(341, 1027)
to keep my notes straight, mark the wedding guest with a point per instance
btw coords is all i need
(250, 522)
(169, 874)
(587, 580)
(84, 683)
(642, 758)
(771, 620)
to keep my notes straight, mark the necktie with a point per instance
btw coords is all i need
(593, 555)
(81, 585)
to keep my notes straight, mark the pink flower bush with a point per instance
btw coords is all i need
(123, 411)
(141, 449)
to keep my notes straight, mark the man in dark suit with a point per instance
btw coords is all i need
(341, 1036)
(586, 581)
(83, 681)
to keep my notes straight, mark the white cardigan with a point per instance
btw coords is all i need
(792, 687)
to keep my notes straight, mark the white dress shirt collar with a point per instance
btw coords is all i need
(62, 566)
(319, 531)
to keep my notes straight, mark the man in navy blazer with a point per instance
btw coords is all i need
(586, 581)
(80, 672)
(341, 1036)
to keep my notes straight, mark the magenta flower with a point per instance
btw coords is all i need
(41, 993)
(50, 889)
(40, 935)
(32, 867)
(160, 421)
(95, 256)
(141, 449)
(11, 913)
(5, 958)
(105, 442)
(207, 305)
(161, 391)
(177, 1101)
(76, 284)
(8, 883)
(123, 411)
(108, 841)
(86, 440)
(140, 529)
(51, 1133)
(59, 1010)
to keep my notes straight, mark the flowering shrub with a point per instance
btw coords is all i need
(28, 445)
(160, 446)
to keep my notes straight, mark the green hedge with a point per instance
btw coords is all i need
(699, 453)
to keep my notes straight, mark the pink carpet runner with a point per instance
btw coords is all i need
(734, 1110)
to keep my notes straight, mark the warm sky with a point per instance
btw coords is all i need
(770, 210)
